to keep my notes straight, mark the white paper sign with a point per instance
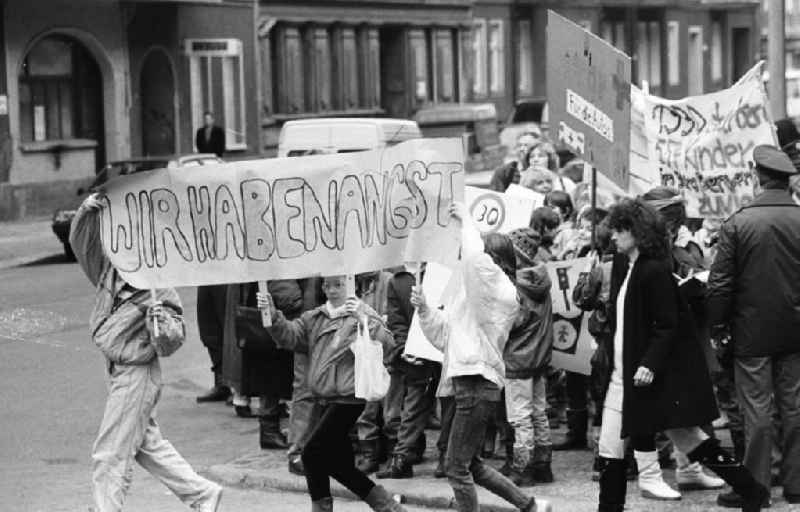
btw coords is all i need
(433, 285)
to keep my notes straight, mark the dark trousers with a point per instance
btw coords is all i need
(211, 321)
(448, 406)
(475, 400)
(328, 453)
(417, 407)
(765, 384)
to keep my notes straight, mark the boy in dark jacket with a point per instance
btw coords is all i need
(527, 356)
(417, 375)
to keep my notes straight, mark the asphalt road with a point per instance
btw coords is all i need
(53, 393)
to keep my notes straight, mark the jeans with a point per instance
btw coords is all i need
(475, 398)
(526, 406)
(417, 407)
(385, 412)
(129, 432)
(764, 383)
(448, 407)
(328, 453)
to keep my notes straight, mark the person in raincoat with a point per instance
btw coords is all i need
(481, 306)
(123, 328)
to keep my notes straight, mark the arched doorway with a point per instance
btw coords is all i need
(61, 94)
(157, 93)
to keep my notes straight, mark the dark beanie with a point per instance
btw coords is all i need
(787, 131)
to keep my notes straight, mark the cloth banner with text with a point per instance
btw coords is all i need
(573, 346)
(703, 145)
(286, 218)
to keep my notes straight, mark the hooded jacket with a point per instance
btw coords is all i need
(327, 340)
(480, 306)
(530, 342)
(118, 319)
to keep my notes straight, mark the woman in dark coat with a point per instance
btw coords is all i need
(659, 381)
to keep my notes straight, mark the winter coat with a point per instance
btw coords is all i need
(530, 342)
(659, 334)
(264, 368)
(754, 285)
(480, 307)
(118, 321)
(327, 342)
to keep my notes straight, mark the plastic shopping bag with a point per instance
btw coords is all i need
(371, 377)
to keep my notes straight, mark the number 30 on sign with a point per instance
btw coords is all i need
(489, 212)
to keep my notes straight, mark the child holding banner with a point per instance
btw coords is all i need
(132, 331)
(658, 380)
(472, 330)
(326, 334)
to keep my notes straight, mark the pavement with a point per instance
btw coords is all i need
(54, 388)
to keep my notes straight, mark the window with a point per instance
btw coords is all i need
(479, 45)
(673, 51)
(419, 53)
(716, 51)
(445, 66)
(346, 69)
(216, 84)
(497, 69)
(59, 91)
(648, 52)
(524, 58)
(614, 33)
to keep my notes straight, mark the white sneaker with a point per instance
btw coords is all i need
(211, 502)
(692, 478)
(651, 480)
(542, 506)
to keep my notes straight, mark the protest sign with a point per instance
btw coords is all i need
(573, 346)
(495, 212)
(703, 145)
(434, 284)
(285, 218)
(535, 199)
(588, 96)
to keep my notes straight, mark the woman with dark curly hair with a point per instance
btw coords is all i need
(659, 381)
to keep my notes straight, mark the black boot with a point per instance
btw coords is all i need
(542, 465)
(613, 485)
(270, 436)
(369, 461)
(439, 471)
(577, 426)
(711, 455)
(399, 467)
(219, 393)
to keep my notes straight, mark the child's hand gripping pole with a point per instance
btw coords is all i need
(265, 300)
(155, 304)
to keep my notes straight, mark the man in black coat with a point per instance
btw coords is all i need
(210, 138)
(754, 294)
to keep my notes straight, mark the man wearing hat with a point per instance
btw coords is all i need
(754, 308)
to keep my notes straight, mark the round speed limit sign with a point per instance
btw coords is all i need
(489, 213)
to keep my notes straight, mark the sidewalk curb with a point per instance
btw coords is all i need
(248, 479)
(24, 260)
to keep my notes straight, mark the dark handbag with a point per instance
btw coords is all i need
(251, 335)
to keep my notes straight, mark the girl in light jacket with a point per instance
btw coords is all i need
(480, 308)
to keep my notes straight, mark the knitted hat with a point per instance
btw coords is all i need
(526, 245)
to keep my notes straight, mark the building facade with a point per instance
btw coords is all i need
(84, 82)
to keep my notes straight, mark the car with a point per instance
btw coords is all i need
(343, 135)
(527, 115)
(62, 218)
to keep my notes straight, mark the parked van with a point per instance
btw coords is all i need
(343, 135)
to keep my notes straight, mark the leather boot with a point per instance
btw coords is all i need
(369, 461)
(218, 393)
(577, 427)
(651, 479)
(380, 500)
(613, 485)
(270, 436)
(542, 464)
(754, 495)
(323, 505)
(439, 471)
(398, 467)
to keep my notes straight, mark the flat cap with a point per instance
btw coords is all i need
(770, 158)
